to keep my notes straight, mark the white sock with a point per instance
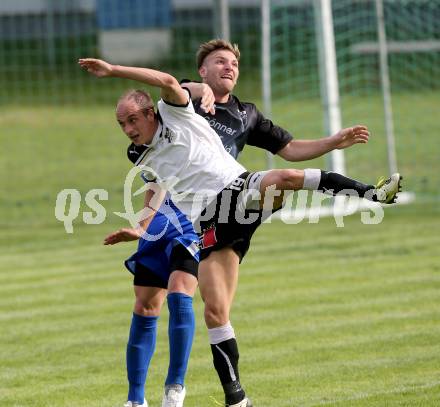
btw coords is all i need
(221, 333)
(312, 178)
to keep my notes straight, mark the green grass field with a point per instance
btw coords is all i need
(324, 315)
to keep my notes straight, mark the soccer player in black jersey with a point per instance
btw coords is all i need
(239, 123)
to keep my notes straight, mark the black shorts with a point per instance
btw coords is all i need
(222, 230)
(180, 259)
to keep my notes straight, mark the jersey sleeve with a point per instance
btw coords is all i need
(177, 112)
(132, 153)
(267, 135)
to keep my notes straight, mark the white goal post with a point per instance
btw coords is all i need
(329, 85)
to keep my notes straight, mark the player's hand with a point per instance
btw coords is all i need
(96, 67)
(123, 235)
(208, 99)
(351, 135)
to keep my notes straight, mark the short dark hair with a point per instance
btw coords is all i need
(207, 47)
(140, 97)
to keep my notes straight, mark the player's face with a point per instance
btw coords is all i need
(220, 71)
(139, 128)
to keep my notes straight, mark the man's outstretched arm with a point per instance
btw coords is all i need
(171, 90)
(301, 150)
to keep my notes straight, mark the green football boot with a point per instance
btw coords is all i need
(388, 188)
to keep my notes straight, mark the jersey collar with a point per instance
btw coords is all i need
(229, 102)
(157, 134)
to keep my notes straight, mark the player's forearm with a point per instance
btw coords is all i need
(170, 89)
(195, 88)
(147, 216)
(152, 202)
(148, 76)
(302, 150)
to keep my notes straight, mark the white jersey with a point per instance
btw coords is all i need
(187, 158)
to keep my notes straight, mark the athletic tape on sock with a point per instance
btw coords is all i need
(221, 334)
(312, 177)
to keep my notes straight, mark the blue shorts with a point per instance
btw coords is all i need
(168, 229)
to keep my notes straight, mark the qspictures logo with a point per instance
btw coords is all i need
(68, 203)
(296, 206)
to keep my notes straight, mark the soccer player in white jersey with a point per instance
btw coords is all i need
(184, 154)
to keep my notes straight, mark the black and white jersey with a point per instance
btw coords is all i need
(239, 123)
(187, 158)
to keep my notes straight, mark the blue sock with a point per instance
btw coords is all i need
(181, 333)
(140, 349)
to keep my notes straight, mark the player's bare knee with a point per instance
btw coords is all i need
(145, 308)
(215, 316)
(182, 282)
(284, 180)
(291, 179)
